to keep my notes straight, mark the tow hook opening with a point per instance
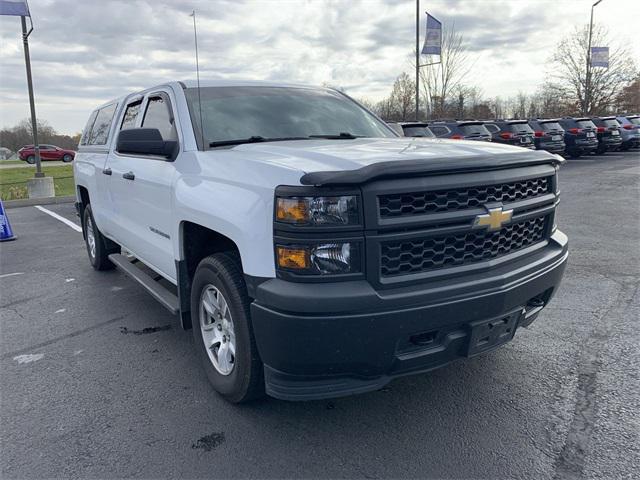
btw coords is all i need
(534, 306)
(424, 339)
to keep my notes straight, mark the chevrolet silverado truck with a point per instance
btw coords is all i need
(313, 251)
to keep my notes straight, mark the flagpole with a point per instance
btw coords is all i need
(34, 124)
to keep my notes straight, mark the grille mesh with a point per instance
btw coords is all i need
(420, 255)
(406, 204)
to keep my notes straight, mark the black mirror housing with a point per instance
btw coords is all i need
(146, 141)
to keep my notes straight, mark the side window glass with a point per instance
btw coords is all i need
(87, 129)
(102, 125)
(158, 116)
(130, 115)
(492, 128)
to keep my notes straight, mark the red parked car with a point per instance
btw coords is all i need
(47, 152)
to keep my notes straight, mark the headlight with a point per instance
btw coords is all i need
(322, 258)
(310, 211)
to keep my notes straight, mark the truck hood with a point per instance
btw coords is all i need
(327, 162)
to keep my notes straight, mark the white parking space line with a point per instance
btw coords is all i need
(59, 217)
(5, 275)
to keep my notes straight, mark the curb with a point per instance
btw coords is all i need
(28, 202)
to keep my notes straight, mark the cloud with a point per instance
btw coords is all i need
(85, 53)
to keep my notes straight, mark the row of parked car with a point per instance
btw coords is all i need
(573, 136)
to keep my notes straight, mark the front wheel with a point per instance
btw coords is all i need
(31, 159)
(67, 158)
(95, 242)
(222, 329)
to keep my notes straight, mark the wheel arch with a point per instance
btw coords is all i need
(82, 195)
(195, 243)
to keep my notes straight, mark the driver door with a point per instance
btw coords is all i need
(142, 190)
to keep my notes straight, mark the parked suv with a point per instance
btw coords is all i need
(415, 129)
(47, 152)
(315, 253)
(511, 132)
(579, 136)
(548, 135)
(608, 132)
(629, 131)
(460, 130)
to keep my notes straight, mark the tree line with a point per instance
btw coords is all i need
(445, 91)
(21, 134)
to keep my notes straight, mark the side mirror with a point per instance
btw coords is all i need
(146, 141)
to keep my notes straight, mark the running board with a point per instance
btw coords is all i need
(160, 293)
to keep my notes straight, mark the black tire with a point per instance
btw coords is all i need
(246, 380)
(575, 153)
(31, 159)
(67, 158)
(601, 150)
(103, 247)
(625, 147)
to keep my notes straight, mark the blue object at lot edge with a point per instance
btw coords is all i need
(5, 227)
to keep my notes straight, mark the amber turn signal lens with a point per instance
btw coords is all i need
(296, 258)
(291, 210)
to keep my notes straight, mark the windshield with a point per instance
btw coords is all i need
(635, 120)
(418, 132)
(474, 129)
(232, 113)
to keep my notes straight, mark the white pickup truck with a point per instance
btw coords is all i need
(314, 252)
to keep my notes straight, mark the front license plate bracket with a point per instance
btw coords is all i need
(489, 334)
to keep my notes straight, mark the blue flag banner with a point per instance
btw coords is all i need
(433, 40)
(18, 8)
(600, 57)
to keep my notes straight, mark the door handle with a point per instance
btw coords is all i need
(107, 171)
(128, 176)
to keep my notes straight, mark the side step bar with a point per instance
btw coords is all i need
(160, 293)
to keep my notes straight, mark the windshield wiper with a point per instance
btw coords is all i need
(341, 136)
(252, 139)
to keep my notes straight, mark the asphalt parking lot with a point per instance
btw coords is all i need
(98, 380)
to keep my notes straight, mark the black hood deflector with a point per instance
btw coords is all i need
(403, 168)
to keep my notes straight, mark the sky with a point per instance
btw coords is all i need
(86, 52)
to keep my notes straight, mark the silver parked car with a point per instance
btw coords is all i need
(630, 131)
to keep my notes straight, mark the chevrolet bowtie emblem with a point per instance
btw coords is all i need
(494, 219)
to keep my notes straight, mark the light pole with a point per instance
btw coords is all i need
(418, 59)
(587, 83)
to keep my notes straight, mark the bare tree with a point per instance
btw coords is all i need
(569, 71)
(440, 82)
(399, 106)
(403, 96)
(20, 135)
